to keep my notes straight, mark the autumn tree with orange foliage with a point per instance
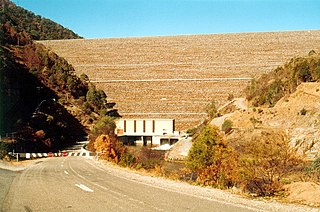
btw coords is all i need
(109, 147)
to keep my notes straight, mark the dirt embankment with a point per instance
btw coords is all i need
(304, 192)
(297, 115)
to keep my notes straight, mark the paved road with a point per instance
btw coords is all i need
(82, 184)
(6, 178)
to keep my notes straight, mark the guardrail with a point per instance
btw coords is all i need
(50, 154)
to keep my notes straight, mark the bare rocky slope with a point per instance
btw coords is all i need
(176, 77)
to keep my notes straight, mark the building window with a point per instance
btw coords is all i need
(125, 125)
(144, 126)
(153, 126)
(135, 126)
(173, 125)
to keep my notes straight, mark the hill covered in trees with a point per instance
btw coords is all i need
(271, 87)
(44, 104)
(37, 27)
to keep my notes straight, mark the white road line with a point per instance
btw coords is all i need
(83, 187)
(121, 195)
(66, 172)
(222, 201)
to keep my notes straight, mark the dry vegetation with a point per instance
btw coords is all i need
(201, 57)
(301, 129)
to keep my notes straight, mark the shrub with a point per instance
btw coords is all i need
(212, 159)
(191, 131)
(143, 158)
(149, 159)
(127, 160)
(316, 165)
(312, 172)
(226, 126)
(230, 97)
(303, 112)
(5, 147)
(265, 159)
(211, 110)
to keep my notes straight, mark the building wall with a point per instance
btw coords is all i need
(146, 132)
(145, 127)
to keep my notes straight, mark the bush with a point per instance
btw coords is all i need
(143, 158)
(230, 97)
(212, 159)
(211, 110)
(265, 159)
(127, 160)
(303, 112)
(149, 159)
(226, 126)
(5, 147)
(191, 131)
(312, 172)
(316, 165)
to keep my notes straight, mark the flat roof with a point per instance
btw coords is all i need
(147, 119)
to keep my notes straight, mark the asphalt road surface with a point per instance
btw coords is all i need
(83, 184)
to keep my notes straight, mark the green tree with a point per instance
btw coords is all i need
(84, 78)
(271, 87)
(211, 110)
(106, 125)
(214, 161)
(96, 98)
(36, 26)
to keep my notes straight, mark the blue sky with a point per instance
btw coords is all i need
(135, 18)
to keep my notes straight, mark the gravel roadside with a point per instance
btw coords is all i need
(202, 192)
(17, 166)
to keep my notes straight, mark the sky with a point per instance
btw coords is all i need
(140, 18)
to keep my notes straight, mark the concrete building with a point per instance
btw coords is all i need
(147, 132)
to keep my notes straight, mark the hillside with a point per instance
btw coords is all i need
(268, 89)
(296, 115)
(285, 100)
(176, 77)
(37, 27)
(44, 105)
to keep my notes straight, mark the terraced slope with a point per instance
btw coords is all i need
(176, 77)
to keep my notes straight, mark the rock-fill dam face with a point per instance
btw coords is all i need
(176, 77)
